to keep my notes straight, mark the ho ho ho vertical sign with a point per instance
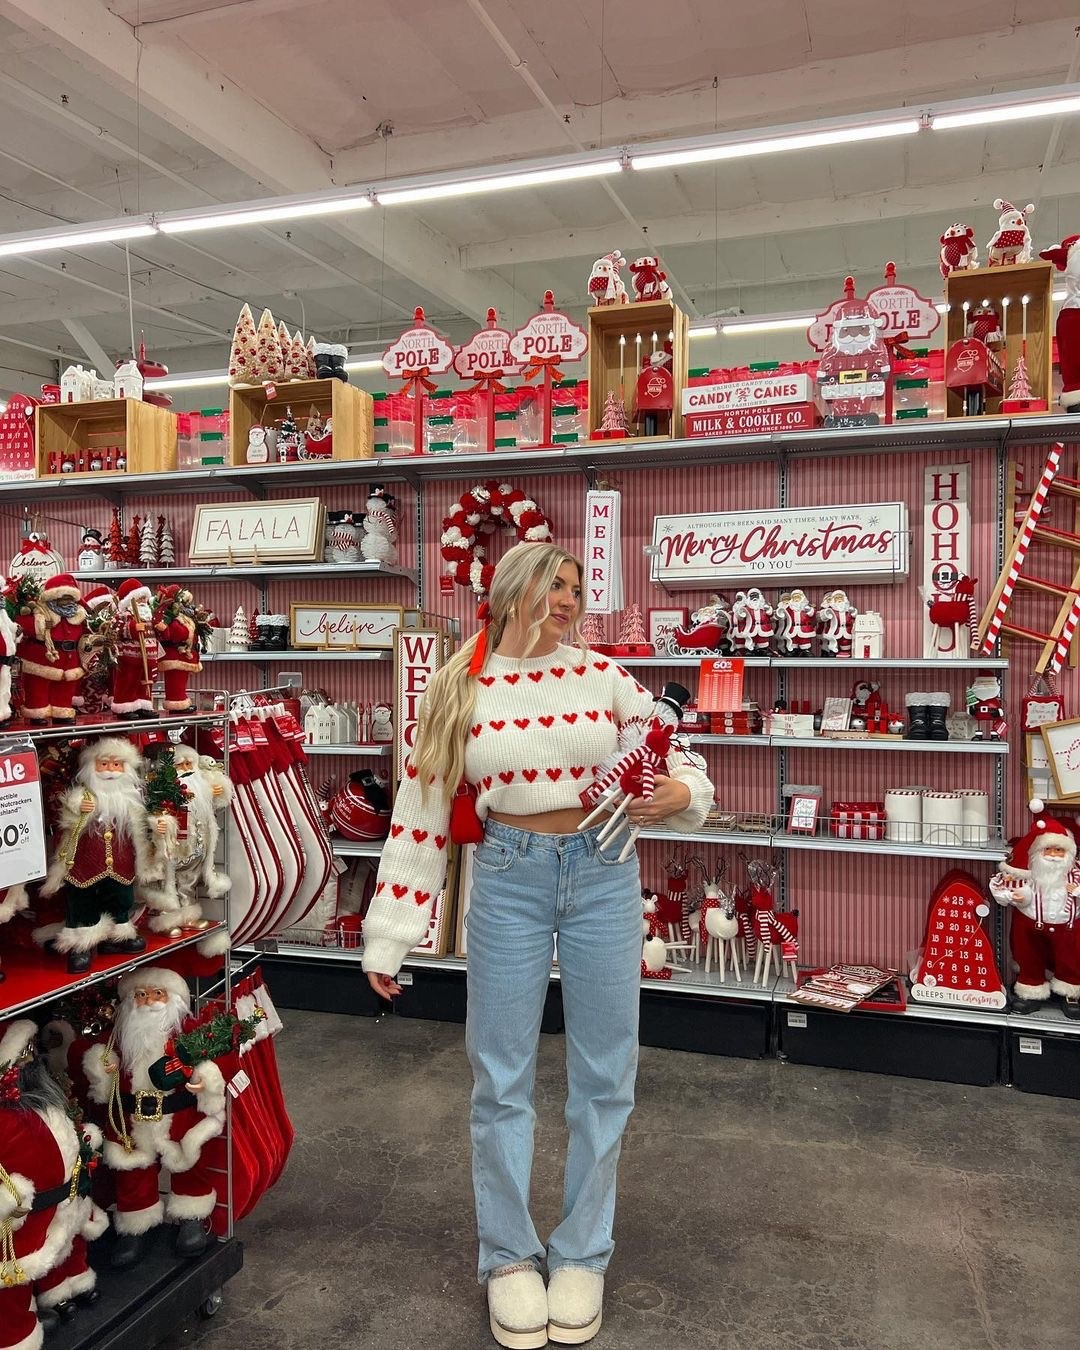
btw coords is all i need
(946, 540)
(773, 547)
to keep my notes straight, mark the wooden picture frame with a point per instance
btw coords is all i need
(803, 811)
(1062, 742)
(318, 626)
(662, 621)
(291, 530)
(835, 715)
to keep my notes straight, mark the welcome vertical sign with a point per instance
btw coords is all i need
(418, 654)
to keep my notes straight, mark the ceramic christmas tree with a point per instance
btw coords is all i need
(309, 359)
(592, 630)
(148, 542)
(242, 353)
(253, 628)
(296, 366)
(632, 640)
(134, 542)
(165, 548)
(1019, 397)
(957, 964)
(614, 423)
(268, 362)
(238, 640)
(285, 343)
(115, 552)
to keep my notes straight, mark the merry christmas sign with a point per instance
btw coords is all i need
(836, 544)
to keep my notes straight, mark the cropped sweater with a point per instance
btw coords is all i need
(540, 728)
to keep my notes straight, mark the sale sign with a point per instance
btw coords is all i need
(720, 684)
(778, 546)
(22, 832)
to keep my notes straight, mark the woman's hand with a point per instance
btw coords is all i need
(668, 799)
(384, 985)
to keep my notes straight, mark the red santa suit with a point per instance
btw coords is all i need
(836, 619)
(1043, 935)
(751, 622)
(179, 649)
(796, 625)
(175, 1141)
(49, 652)
(47, 1205)
(1066, 258)
(137, 652)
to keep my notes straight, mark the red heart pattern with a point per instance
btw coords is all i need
(569, 717)
(496, 726)
(395, 830)
(422, 897)
(399, 890)
(419, 835)
(511, 679)
(507, 776)
(487, 680)
(554, 774)
(546, 721)
(521, 722)
(536, 676)
(530, 774)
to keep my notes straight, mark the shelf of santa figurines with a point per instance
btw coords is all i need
(239, 654)
(123, 726)
(663, 662)
(960, 434)
(856, 741)
(253, 572)
(765, 831)
(33, 977)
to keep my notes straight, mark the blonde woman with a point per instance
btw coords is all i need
(523, 714)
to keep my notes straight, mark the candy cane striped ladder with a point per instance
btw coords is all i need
(995, 621)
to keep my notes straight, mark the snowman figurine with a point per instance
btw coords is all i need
(345, 539)
(91, 557)
(379, 543)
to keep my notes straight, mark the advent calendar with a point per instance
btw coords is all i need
(18, 453)
(957, 963)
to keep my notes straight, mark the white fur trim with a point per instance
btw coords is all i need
(137, 1221)
(161, 976)
(211, 1100)
(123, 932)
(84, 939)
(8, 1204)
(1035, 992)
(1065, 990)
(93, 1136)
(33, 1341)
(217, 944)
(117, 1157)
(16, 1038)
(93, 1066)
(97, 1221)
(575, 1296)
(163, 920)
(12, 902)
(181, 1155)
(67, 1289)
(46, 933)
(178, 1207)
(1069, 398)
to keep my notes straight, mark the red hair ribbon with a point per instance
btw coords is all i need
(476, 664)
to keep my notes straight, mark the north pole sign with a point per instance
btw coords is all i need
(420, 351)
(547, 338)
(486, 356)
(841, 545)
(909, 315)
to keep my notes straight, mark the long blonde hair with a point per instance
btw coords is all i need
(446, 710)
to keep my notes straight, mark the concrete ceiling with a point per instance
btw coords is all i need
(139, 105)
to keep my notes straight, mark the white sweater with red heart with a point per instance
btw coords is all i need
(540, 728)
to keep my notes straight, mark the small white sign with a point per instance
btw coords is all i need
(418, 351)
(265, 532)
(764, 391)
(796, 1019)
(1029, 1045)
(486, 355)
(549, 337)
(344, 627)
(404, 978)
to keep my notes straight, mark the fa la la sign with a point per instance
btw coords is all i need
(486, 355)
(419, 350)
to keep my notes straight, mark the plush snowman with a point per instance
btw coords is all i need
(345, 539)
(379, 543)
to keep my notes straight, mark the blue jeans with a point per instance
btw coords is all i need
(527, 887)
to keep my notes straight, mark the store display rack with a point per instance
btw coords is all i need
(853, 743)
(253, 572)
(292, 654)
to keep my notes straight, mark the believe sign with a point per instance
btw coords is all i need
(840, 545)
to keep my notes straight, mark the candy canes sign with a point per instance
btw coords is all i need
(542, 344)
(486, 359)
(419, 353)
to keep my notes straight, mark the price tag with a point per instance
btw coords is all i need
(238, 1083)
(1029, 1045)
(22, 831)
(405, 978)
(720, 684)
(796, 1019)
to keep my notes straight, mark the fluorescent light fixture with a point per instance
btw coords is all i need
(1009, 112)
(766, 325)
(771, 145)
(463, 187)
(253, 214)
(706, 330)
(75, 238)
(196, 380)
(365, 363)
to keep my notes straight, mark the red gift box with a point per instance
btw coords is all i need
(857, 820)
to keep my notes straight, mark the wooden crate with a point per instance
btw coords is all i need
(145, 432)
(606, 324)
(351, 409)
(1033, 279)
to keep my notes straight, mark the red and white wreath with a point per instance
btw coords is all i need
(478, 512)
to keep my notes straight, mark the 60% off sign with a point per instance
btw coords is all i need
(22, 834)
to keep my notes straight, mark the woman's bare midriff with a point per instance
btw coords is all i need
(546, 822)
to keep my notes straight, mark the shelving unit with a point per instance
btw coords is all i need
(255, 573)
(304, 654)
(344, 748)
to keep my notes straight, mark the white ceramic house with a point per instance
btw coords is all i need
(128, 381)
(77, 385)
(868, 636)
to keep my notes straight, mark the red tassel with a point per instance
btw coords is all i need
(465, 825)
(476, 664)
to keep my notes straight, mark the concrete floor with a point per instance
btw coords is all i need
(762, 1205)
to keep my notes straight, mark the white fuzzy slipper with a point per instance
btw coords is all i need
(575, 1300)
(517, 1306)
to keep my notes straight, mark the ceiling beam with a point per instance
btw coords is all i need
(215, 113)
(951, 200)
(90, 345)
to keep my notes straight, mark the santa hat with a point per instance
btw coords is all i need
(61, 587)
(1045, 832)
(116, 747)
(131, 590)
(15, 1037)
(157, 977)
(1059, 254)
(97, 596)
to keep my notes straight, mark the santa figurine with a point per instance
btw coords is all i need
(176, 622)
(52, 626)
(866, 705)
(151, 1127)
(137, 652)
(1066, 258)
(796, 624)
(1040, 881)
(751, 622)
(836, 624)
(187, 862)
(46, 1213)
(103, 849)
(985, 706)
(950, 603)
